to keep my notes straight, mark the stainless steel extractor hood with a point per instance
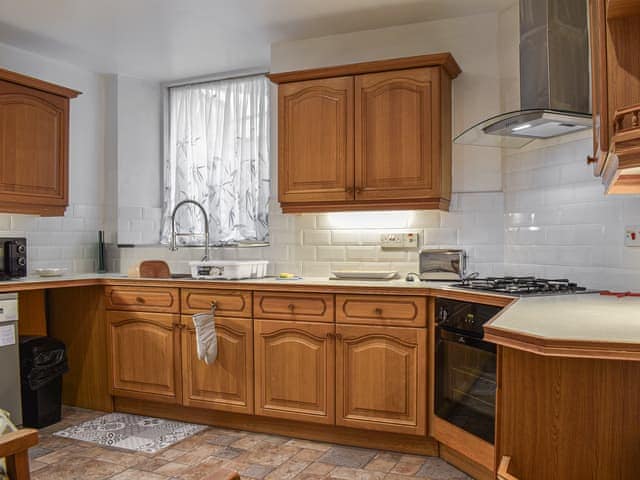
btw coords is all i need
(555, 96)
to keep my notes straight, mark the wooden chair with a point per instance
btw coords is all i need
(14, 447)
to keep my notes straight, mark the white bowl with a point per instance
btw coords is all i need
(50, 272)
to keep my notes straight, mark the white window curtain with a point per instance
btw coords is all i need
(219, 156)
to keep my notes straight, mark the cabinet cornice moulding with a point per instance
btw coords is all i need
(444, 60)
(31, 82)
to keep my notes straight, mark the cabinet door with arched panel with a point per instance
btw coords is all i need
(295, 370)
(227, 383)
(315, 129)
(381, 378)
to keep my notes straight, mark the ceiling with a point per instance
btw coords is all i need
(174, 39)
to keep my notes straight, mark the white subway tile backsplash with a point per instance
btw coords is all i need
(331, 253)
(345, 237)
(316, 237)
(316, 269)
(72, 224)
(303, 253)
(421, 219)
(363, 253)
(439, 236)
(23, 223)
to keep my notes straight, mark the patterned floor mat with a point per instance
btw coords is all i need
(131, 432)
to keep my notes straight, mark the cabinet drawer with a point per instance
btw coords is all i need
(382, 310)
(229, 303)
(310, 307)
(143, 299)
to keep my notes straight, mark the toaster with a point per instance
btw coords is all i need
(442, 264)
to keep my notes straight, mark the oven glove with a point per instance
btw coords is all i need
(206, 339)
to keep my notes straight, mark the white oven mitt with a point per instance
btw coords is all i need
(206, 339)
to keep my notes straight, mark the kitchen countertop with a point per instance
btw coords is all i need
(36, 282)
(579, 325)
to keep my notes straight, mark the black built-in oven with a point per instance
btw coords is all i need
(465, 370)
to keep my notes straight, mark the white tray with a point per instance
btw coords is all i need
(364, 274)
(228, 269)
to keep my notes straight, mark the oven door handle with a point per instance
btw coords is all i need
(448, 335)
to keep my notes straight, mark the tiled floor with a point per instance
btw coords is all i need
(255, 456)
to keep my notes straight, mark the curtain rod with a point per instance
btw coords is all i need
(232, 75)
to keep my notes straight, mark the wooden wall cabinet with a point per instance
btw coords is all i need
(615, 32)
(227, 383)
(144, 358)
(381, 378)
(34, 145)
(373, 135)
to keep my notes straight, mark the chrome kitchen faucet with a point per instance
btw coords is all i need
(173, 245)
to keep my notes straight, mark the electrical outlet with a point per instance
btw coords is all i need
(411, 239)
(399, 240)
(632, 236)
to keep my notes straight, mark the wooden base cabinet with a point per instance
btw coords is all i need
(295, 370)
(562, 418)
(144, 357)
(381, 375)
(227, 383)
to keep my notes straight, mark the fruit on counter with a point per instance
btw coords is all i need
(287, 275)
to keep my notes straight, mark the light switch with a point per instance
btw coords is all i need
(391, 240)
(407, 240)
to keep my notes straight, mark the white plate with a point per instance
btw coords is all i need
(50, 272)
(365, 274)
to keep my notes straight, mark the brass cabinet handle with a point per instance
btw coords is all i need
(358, 189)
(591, 160)
(291, 307)
(349, 190)
(378, 311)
(139, 300)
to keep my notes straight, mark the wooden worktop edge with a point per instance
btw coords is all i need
(382, 289)
(553, 347)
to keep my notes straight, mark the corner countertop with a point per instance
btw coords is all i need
(575, 325)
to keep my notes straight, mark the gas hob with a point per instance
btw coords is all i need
(522, 286)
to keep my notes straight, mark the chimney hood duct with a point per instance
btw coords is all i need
(555, 97)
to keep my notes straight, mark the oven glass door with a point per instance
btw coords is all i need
(465, 393)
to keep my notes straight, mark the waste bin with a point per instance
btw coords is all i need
(43, 361)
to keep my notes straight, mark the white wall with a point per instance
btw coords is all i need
(139, 164)
(68, 241)
(316, 244)
(541, 213)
